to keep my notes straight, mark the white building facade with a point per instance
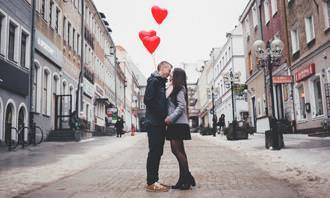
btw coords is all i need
(230, 59)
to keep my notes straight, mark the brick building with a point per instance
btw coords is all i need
(309, 27)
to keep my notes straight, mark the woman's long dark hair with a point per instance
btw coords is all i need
(179, 81)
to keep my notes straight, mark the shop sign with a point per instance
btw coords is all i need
(305, 72)
(282, 79)
(99, 90)
(46, 47)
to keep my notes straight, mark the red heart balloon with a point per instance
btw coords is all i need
(159, 14)
(143, 34)
(151, 43)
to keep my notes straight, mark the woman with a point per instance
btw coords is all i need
(177, 126)
(221, 122)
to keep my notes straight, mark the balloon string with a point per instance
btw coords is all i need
(154, 59)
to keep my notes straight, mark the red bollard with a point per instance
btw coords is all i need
(133, 131)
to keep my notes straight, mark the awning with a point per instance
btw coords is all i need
(104, 101)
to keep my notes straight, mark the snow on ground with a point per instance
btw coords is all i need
(304, 162)
(34, 167)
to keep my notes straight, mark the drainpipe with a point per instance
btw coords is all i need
(289, 63)
(33, 29)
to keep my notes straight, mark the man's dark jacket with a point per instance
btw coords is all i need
(155, 100)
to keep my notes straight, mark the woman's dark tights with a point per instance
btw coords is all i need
(178, 150)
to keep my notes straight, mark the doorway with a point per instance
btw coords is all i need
(254, 113)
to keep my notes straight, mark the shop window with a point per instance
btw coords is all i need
(302, 111)
(318, 97)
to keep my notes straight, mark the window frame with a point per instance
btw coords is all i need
(267, 11)
(4, 26)
(274, 5)
(312, 33)
(28, 48)
(16, 57)
(295, 32)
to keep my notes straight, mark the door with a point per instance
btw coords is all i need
(279, 102)
(254, 113)
(8, 123)
(63, 111)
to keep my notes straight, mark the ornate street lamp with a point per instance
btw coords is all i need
(269, 57)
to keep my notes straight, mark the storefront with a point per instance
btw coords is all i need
(311, 80)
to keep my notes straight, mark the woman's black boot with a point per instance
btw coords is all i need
(179, 183)
(193, 182)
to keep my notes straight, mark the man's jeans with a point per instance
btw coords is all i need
(156, 139)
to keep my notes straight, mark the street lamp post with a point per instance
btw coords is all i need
(270, 57)
(214, 119)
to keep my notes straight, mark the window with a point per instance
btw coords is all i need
(78, 44)
(45, 92)
(11, 42)
(302, 112)
(35, 88)
(68, 33)
(65, 28)
(309, 28)
(266, 10)
(43, 9)
(2, 33)
(255, 15)
(74, 40)
(274, 7)
(295, 41)
(326, 10)
(24, 49)
(51, 6)
(57, 20)
(250, 65)
(318, 97)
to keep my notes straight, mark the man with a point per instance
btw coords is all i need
(156, 112)
(119, 126)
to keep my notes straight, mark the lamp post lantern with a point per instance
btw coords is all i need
(268, 58)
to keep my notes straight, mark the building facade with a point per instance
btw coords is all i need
(230, 59)
(255, 75)
(309, 25)
(59, 54)
(15, 51)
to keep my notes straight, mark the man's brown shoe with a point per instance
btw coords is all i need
(156, 187)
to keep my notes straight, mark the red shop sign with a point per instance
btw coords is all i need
(305, 73)
(282, 79)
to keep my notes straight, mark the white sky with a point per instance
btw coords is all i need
(188, 34)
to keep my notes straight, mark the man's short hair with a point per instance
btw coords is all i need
(162, 64)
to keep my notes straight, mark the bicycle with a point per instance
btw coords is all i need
(33, 137)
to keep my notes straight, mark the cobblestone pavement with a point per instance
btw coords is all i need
(219, 172)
